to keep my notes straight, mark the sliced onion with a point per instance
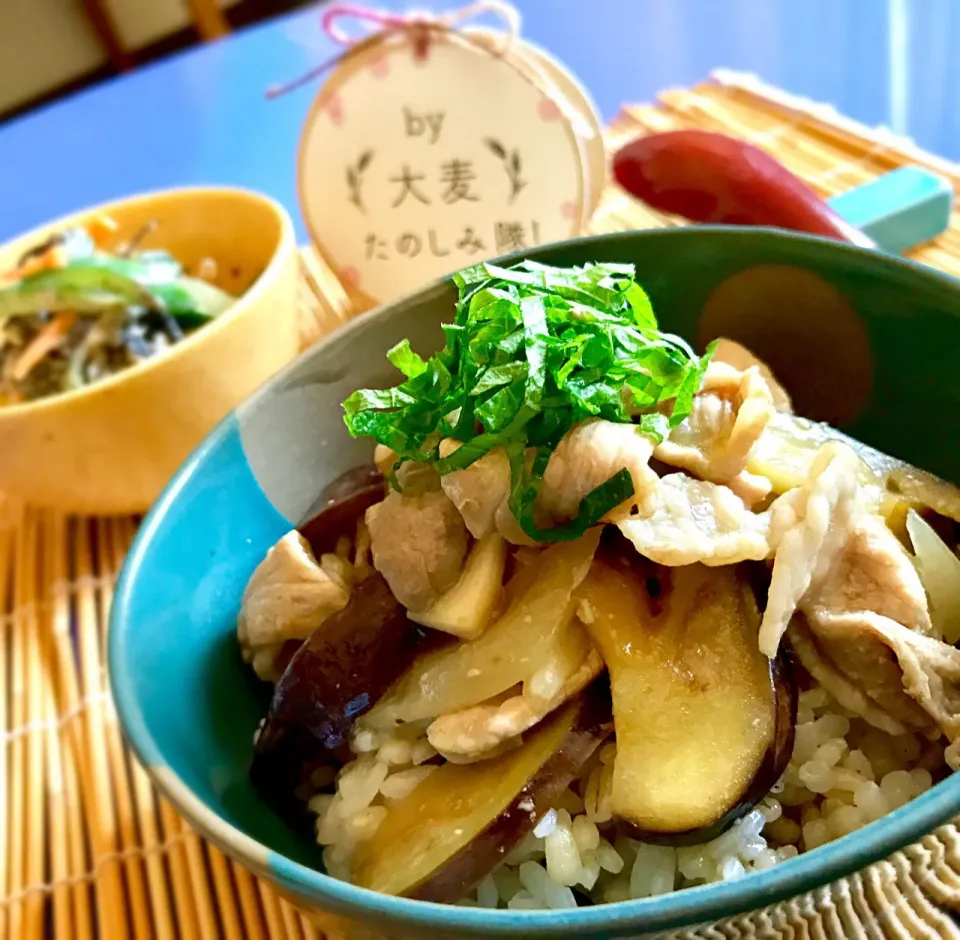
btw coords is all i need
(939, 570)
(519, 643)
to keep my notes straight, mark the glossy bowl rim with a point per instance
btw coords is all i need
(698, 905)
(285, 243)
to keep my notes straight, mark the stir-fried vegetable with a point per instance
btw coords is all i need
(939, 570)
(72, 312)
(533, 351)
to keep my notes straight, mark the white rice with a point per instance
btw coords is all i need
(843, 775)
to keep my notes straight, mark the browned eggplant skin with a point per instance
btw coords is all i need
(465, 870)
(344, 501)
(783, 680)
(336, 676)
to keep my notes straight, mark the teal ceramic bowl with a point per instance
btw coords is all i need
(869, 341)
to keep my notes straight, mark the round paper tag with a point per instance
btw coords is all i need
(579, 100)
(412, 167)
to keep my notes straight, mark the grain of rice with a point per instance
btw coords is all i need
(844, 820)
(626, 849)
(870, 799)
(362, 825)
(541, 886)
(815, 833)
(359, 784)
(547, 824)
(815, 697)
(765, 860)
(403, 783)
(320, 803)
(421, 752)
(507, 881)
(608, 858)
(529, 847)
(589, 872)
(830, 806)
(752, 849)
(845, 782)
(695, 863)
(524, 901)
(396, 753)
(856, 761)
(569, 801)
(795, 795)
(783, 830)
(562, 855)
(604, 813)
(832, 725)
(897, 787)
(336, 860)
(329, 824)
(487, 893)
(771, 809)
(365, 741)
(585, 834)
(653, 871)
(617, 890)
(831, 751)
(842, 794)
(731, 869)
(806, 741)
(751, 825)
(591, 793)
(816, 776)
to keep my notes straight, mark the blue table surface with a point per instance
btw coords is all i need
(201, 117)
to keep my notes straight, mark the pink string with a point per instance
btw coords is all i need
(379, 18)
(386, 22)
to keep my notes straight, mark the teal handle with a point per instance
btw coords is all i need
(899, 210)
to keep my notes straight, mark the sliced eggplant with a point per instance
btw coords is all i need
(342, 504)
(704, 720)
(331, 680)
(459, 824)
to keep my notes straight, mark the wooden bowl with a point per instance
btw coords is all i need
(111, 447)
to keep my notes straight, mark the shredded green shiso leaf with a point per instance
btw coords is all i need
(533, 351)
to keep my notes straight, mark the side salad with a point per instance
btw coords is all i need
(74, 311)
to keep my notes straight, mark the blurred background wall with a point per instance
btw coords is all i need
(50, 47)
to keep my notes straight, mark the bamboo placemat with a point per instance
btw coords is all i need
(88, 849)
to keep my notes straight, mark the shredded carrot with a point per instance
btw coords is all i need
(47, 340)
(101, 229)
